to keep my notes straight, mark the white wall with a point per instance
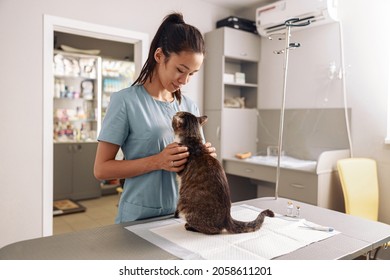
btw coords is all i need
(21, 80)
(308, 83)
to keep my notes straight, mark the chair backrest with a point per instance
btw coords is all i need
(359, 181)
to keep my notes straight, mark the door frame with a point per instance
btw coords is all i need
(51, 24)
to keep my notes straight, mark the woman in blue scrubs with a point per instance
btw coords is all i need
(139, 121)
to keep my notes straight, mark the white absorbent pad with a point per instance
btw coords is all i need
(278, 236)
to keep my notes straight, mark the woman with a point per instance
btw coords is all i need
(139, 121)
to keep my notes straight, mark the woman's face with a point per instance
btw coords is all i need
(178, 69)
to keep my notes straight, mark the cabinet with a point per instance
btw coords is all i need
(318, 185)
(83, 85)
(231, 90)
(73, 171)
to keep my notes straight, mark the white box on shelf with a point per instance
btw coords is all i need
(239, 78)
(228, 78)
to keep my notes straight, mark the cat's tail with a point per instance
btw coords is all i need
(235, 226)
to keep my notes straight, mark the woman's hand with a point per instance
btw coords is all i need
(211, 149)
(173, 157)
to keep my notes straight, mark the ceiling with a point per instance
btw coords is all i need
(238, 4)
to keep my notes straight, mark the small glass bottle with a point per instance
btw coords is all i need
(297, 211)
(290, 208)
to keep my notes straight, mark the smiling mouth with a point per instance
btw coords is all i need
(175, 86)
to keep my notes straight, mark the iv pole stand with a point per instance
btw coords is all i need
(289, 23)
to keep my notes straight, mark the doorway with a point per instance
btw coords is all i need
(52, 25)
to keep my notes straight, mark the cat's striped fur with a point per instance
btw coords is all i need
(204, 196)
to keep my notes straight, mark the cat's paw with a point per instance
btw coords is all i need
(268, 213)
(190, 228)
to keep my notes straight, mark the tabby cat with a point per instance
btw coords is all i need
(204, 196)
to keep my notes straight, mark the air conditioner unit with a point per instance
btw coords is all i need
(271, 18)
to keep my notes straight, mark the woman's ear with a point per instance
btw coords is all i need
(158, 55)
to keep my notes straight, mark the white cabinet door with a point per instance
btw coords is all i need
(241, 45)
(298, 185)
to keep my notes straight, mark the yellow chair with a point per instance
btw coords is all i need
(359, 182)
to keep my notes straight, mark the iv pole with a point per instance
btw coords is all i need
(288, 23)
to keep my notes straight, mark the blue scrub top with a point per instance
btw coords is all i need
(142, 126)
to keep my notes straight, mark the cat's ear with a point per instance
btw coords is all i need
(178, 120)
(202, 120)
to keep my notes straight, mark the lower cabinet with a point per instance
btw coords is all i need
(320, 186)
(73, 171)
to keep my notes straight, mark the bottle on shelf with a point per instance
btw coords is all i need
(77, 93)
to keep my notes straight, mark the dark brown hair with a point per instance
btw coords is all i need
(173, 36)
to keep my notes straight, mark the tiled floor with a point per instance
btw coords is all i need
(100, 212)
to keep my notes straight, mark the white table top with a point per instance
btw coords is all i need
(358, 236)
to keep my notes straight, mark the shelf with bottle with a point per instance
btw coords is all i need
(77, 96)
(74, 115)
(117, 74)
(71, 125)
(73, 132)
(111, 85)
(74, 89)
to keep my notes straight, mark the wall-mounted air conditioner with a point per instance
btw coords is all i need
(270, 19)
